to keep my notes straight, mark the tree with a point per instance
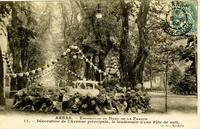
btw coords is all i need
(187, 84)
(175, 78)
(133, 71)
(20, 32)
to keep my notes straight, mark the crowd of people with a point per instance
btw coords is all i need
(116, 100)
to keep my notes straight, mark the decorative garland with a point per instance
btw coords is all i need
(77, 54)
(69, 71)
(42, 74)
(28, 73)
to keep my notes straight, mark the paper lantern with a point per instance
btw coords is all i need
(80, 57)
(72, 47)
(33, 71)
(14, 75)
(64, 53)
(39, 69)
(79, 51)
(91, 64)
(20, 74)
(74, 56)
(68, 50)
(95, 68)
(75, 47)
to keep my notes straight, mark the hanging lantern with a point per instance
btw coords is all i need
(64, 53)
(39, 69)
(74, 56)
(79, 51)
(75, 47)
(14, 75)
(72, 47)
(91, 64)
(95, 68)
(33, 71)
(80, 57)
(68, 50)
(20, 74)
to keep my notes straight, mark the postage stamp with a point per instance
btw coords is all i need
(182, 18)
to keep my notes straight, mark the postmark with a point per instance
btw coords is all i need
(181, 19)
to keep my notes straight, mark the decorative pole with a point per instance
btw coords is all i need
(99, 16)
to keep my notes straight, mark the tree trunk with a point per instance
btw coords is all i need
(150, 79)
(124, 44)
(2, 99)
(133, 72)
(15, 82)
(101, 65)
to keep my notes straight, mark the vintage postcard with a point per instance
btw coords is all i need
(99, 64)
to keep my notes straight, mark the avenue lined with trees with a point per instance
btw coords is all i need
(120, 44)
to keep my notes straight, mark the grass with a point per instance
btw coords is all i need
(175, 103)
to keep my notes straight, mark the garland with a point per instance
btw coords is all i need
(77, 54)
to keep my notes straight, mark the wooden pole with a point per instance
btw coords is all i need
(166, 85)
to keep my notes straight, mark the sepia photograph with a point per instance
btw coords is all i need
(99, 64)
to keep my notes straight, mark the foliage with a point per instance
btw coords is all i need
(188, 52)
(175, 77)
(187, 84)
